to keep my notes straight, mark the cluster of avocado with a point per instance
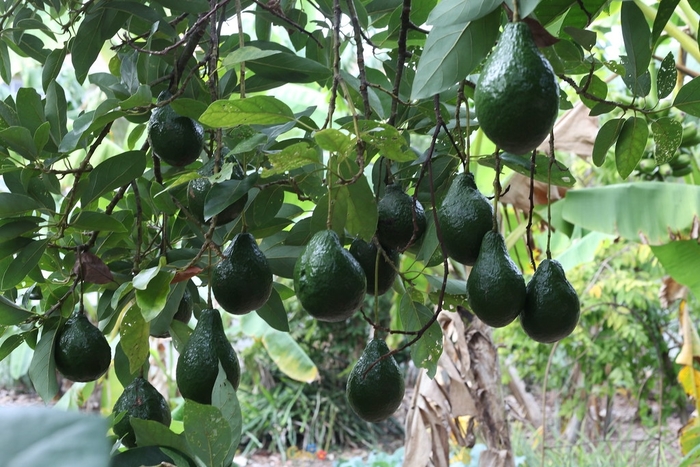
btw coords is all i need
(679, 166)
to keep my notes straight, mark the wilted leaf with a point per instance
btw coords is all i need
(186, 274)
(90, 268)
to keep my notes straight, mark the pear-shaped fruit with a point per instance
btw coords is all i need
(198, 365)
(495, 286)
(552, 307)
(139, 400)
(395, 218)
(242, 280)
(81, 351)
(517, 95)
(328, 281)
(465, 216)
(375, 394)
(372, 260)
(198, 189)
(175, 139)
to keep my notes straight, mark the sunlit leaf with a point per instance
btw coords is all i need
(667, 76)
(414, 316)
(42, 369)
(256, 110)
(133, 334)
(208, 433)
(668, 135)
(630, 145)
(680, 258)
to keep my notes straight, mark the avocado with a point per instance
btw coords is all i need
(395, 224)
(81, 351)
(183, 313)
(175, 139)
(328, 280)
(242, 280)
(139, 400)
(465, 216)
(495, 286)
(516, 96)
(376, 395)
(385, 263)
(552, 306)
(198, 189)
(198, 365)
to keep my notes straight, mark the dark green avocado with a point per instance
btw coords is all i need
(175, 139)
(395, 223)
(81, 351)
(139, 400)
(516, 96)
(495, 286)
(384, 262)
(552, 306)
(198, 365)
(242, 280)
(375, 395)
(328, 280)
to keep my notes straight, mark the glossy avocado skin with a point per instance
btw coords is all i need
(81, 351)
(366, 254)
(139, 400)
(516, 96)
(465, 216)
(552, 307)
(495, 286)
(375, 396)
(328, 281)
(395, 218)
(242, 280)
(198, 365)
(175, 139)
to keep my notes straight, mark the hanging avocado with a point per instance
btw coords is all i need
(328, 281)
(395, 216)
(175, 139)
(82, 352)
(517, 96)
(465, 216)
(552, 307)
(495, 286)
(371, 259)
(139, 400)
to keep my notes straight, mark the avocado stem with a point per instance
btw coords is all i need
(528, 228)
(516, 11)
(496, 191)
(549, 193)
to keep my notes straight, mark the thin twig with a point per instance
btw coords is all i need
(400, 58)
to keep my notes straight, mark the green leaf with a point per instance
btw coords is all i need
(20, 140)
(42, 369)
(11, 314)
(630, 145)
(687, 99)
(133, 334)
(663, 14)
(607, 135)
(667, 76)
(113, 173)
(5, 63)
(526, 6)
(286, 67)
(595, 87)
(246, 53)
(189, 107)
(426, 352)
(453, 286)
(273, 312)
(12, 204)
(225, 399)
(634, 210)
(99, 25)
(141, 280)
(668, 134)
(289, 357)
(25, 261)
(637, 38)
(292, 157)
(256, 110)
(153, 298)
(679, 259)
(52, 67)
(207, 432)
(153, 433)
(452, 52)
(188, 6)
(560, 176)
(449, 12)
(41, 136)
(97, 221)
(388, 141)
(362, 209)
(583, 37)
(221, 195)
(10, 344)
(37, 436)
(334, 140)
(141, 98)
(30, 110)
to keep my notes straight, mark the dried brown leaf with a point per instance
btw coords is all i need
(186, 274)
(90, 268)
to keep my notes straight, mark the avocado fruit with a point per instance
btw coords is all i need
(175, 139)
(242, 280)
(328, 280)
(465, 216)
(199, 188)
(384, 262)
(395, 226)
(139, 400)
(516, 96)
(495, 286)
(198, 365)
(552, 306)
(375, 395)
(81, 351)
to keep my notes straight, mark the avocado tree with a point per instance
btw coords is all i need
(166, 156)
